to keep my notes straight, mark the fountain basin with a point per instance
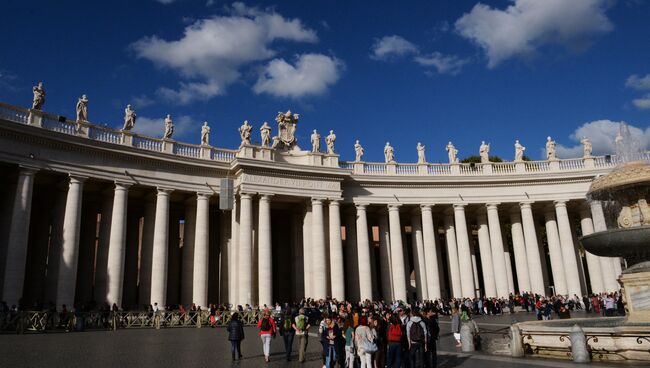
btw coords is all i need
(633, 244)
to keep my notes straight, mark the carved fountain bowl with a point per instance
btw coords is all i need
(627, 180)
(633, 243)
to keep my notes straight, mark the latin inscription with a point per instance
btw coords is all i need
(290, 182)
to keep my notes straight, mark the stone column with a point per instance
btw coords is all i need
(201, 250)
(397, 255)
(245, 249)
(384, 257)
(307, 253)
(233, 254)
(14, 277)
(498, 255)
(486, 255)
(363, 254)
(146, 254)
(555, 252)
(464, 254)
(187, 266)
(593, 263)
(519, 248)
(318, 256)
(511, 281)
(336, 252)
(532, 250)
(265, 261)
(351, 263)
(418, 256)
(70, 245)
(606, 263)
(452, 254)
(101, 262)
(568, 250)
(159, 253)
(430, 253)
(117, 245)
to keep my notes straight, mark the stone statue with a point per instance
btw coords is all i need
(82, 109)
(39, 96)
(329, 141)
(586, 147)
(265, 132)
(169, 127)
(205, 134)
(452, 152)
(245, 133)
(315, 141)
(550, 149)
(519, 151)
(286, 129)
(389, 153)
(129, 118)
(421, 158)
(484, 152)
(358, 151)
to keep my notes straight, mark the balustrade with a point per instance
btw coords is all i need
(187, 150)
(407, 169)
(537, 166)
(439, 169)
(150, 144)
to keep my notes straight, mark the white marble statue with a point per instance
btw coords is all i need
(286, 129)
(315, 141)
(550, 149)
(205, 134)
(129, 118)
(421, 158)
(358, 151)
(82, 108)
(484, 152)
(265, 133)
(586, 147)
(389, 153)
(519, 151)
(169, 127)
(39, 96)
(452, 152)
(329, 141)
(245, 133)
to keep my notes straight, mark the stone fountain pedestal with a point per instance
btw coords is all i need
(636, 291)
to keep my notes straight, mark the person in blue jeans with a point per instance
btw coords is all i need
(287, 331)
(330, 334)
(394, 337)
(235, 335)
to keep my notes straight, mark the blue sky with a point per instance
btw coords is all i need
(420, 71)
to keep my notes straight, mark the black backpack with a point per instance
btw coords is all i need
(266, 325)
(416, 333)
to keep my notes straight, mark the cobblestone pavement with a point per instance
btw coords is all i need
(207, 347)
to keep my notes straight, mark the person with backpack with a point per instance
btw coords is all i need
(365, 341)
(287, 332)
(394, 358)
(267, 331)
(235, 336)
(302, 328)
(416, 332)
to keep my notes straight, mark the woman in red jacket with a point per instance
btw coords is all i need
(267, 331)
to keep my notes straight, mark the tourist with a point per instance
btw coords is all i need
(381, 326)
(394, 343)
(610, 305)
(455, 325)
(431, 354)
(340, 342)
(330, 335)
(302, 329)
(416, 333)
(365, 342)
(235, 335)
(267, 331)
(349, 343)
(287, 332)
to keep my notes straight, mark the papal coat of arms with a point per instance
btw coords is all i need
(286, 130)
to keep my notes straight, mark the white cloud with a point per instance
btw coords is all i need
(642, 102)
(212, 51)
(142, 101)
(155, 127)
(389, 47)
(312, 74)
(526, 25)
(601, 133)
(444, 64)
(165, 2)
(636, 82)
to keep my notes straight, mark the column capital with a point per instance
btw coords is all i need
(203, 195)
(426, 207)
(164, 191)
(317, 201)
(122, 185)
(459, 206)
(560, 203)
(27, 170)
(526, 205)
(394, 206)
(361, 206)
(266, 196)
(246, 195)
(76, 179)
(492, 206)
(334, 202)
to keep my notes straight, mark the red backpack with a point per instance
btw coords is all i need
(394, 333)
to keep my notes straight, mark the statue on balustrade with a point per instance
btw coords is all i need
(82, 108)
(129, 118)
(205, 134)
(39, 96)
(389, 153)
(329, 140)
(245, 133)
(484, 152)
(586, 147)
(169, 127)
(286, 129)
(452, 152)
(358, 151)
(315, 141)
(550, 149)
(265, 132)
(421, 158)
(519, 151)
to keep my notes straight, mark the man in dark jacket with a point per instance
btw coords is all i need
(431, 354)
(235, 335)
